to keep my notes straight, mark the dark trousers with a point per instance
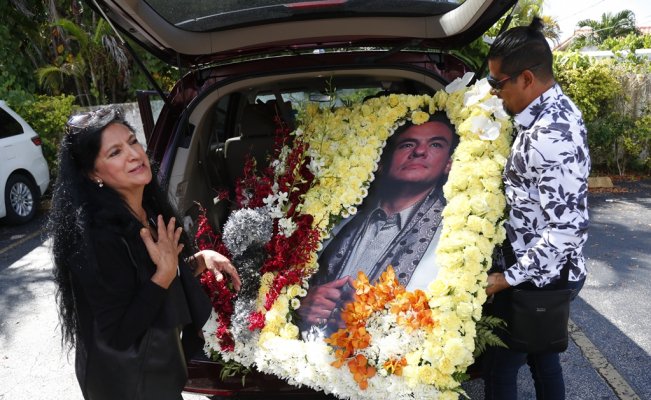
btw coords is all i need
(500, 368)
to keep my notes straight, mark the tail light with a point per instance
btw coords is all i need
(37, 140)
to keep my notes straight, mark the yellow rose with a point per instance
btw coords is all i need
(438, 288)
(492, 184)
(427, 374)
(487, 228)
(467, 281)
(293, 291)
(446, 366)
(474, 223)
(456, 351)
(465, 310)
(418, 117)
(289, 331)
(472, 256)
(442, 303)
(454, 222)
(393, 100)
(449, 260)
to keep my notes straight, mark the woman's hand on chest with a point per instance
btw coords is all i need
(164, 250)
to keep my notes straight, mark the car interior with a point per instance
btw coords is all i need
(237, 120)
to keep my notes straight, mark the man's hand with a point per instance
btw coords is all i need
(496, 283)
(318, 306)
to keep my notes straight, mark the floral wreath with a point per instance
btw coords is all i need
(410, 344)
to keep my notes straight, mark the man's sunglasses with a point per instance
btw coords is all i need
(97, 118)
(498, 84)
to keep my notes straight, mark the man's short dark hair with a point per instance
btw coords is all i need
(439, 116)
(523, 47)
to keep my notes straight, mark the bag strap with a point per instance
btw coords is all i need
(565, 273)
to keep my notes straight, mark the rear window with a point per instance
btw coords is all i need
(8, 125)
(211, 15)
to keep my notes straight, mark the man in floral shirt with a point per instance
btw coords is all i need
(546, 189)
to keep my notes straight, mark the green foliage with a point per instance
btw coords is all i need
(611, 94)
(525, 10)
(590, 84)
(230, 369)
(486, 336)
(630, 42)
(47, 116)
(473, 53)
(610, 26)
(164, 74)
(619, 142)
(15, 72)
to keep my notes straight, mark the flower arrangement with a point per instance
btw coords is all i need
(410, 344)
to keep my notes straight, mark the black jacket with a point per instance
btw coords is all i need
(130, 345)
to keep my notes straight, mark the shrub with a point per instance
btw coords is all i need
(614, 96)
(591, 84)
(48, 116)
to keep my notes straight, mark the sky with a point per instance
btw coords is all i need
(568, 12)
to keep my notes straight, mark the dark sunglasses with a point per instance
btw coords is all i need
(498, 84)
(97, 118)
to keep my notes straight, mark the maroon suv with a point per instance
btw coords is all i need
(250, 61)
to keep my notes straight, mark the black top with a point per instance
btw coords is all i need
(123, 301)
(117, 304)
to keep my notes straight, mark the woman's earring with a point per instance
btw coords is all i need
(100, 183)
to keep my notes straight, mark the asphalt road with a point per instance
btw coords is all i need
(609, 356)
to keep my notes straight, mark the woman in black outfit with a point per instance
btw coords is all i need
(128, 298)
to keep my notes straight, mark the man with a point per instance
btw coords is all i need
(394, 227)
(546, 189)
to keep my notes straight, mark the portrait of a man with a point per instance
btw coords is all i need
(396, 225)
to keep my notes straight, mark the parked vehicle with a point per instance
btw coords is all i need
(251, 61)
(24, 174)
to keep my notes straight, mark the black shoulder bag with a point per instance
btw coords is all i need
(536, 317)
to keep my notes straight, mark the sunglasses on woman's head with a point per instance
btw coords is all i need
(97, 118)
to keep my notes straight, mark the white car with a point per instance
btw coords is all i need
(24, 174)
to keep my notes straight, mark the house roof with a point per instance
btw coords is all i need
(586, 30)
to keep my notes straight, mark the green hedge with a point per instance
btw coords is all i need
(48, 116)
(618, 121)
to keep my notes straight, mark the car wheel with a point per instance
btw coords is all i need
(21, 199)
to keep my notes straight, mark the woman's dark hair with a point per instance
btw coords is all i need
(78, 203)
(522, 48)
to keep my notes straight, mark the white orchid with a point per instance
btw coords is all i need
(495, 106)
(487, 128)
(286, 226)
(459, 83)
(477, 93)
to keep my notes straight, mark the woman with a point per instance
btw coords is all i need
(125, 284)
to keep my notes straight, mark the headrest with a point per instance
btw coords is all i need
(258, 119)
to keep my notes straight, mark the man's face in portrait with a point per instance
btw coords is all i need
(421, 154)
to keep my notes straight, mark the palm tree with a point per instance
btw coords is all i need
(524, 12)
(551, 29)
(95, 61)
(611, 25)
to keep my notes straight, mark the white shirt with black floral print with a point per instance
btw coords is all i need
(546, 182)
